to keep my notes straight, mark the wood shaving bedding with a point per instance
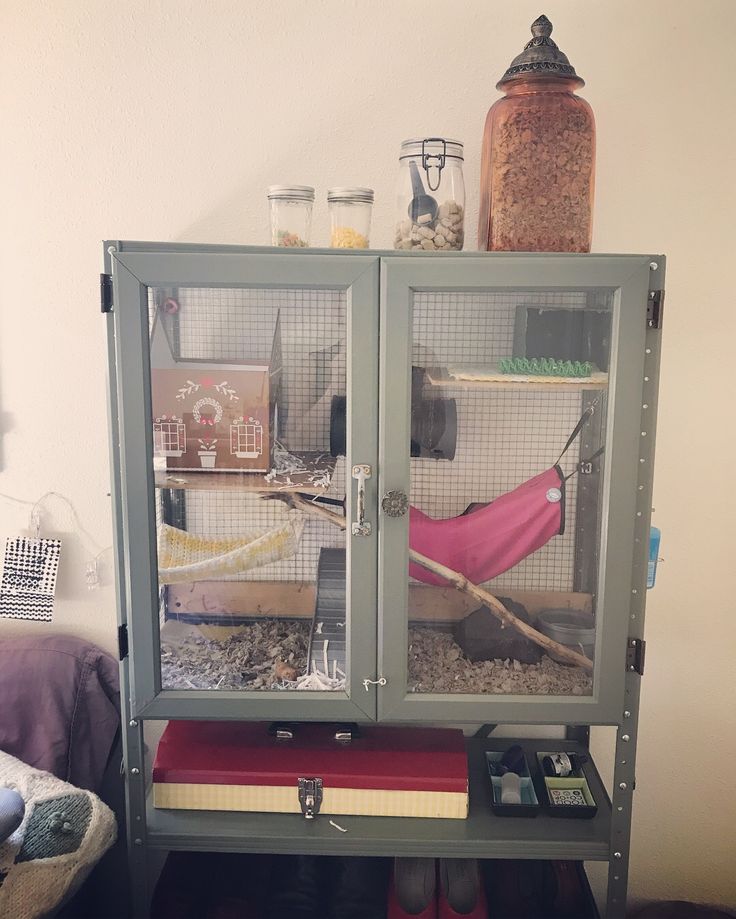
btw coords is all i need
(437, 664)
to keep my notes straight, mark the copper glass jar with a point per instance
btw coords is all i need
(537, 163)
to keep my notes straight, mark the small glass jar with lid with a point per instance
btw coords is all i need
(538, 156)
(291, 214)
(350, 217)
(431, 195)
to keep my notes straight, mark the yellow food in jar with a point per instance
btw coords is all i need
(348, 238)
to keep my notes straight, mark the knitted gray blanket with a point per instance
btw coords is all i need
(65, 830)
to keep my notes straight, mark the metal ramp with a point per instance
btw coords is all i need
(328, 625)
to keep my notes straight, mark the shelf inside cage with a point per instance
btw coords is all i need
(313, 479)
(488, 376)
(445, 604)
(246, 600)
(235, 601)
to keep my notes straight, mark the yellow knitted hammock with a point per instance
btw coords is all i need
(184, 557)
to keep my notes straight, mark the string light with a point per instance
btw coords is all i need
(91, 570)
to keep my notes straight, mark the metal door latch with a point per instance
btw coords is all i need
(395, 503)
(362, 526)
(310, 797)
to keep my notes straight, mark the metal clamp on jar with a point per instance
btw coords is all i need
(431, 195)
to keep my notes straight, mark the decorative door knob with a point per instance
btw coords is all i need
(395, 503)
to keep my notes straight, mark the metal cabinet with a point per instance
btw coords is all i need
(354, 486)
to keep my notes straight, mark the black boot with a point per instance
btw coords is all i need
(296, 888)
(358, 888)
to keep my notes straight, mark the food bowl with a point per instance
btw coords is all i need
(570, 627)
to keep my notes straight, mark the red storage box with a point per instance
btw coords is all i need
(383, 772)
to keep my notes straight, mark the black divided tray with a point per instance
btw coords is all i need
(559, 797)
(568, 797)
(529, 806)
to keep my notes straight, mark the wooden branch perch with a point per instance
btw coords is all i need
(453, 577)
(505, 616)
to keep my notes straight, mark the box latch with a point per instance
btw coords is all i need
(310, 797)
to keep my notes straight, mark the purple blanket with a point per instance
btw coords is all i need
(59, 706)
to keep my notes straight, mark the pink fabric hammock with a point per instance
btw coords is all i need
(488, 540)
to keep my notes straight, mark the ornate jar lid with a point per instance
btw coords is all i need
(540, 57)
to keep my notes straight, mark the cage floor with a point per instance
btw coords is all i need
(438, 665)
(260, 656)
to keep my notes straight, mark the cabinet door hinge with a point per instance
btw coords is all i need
(122, 641)
(655, 309)
(310, 797)
(635, 649)
(106, 293)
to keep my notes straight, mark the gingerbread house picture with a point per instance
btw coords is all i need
(210, 415)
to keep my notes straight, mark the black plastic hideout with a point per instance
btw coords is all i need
(566, 797)
(529, 806)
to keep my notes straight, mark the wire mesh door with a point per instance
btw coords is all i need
(489, 501)
(253, 377)
(500, 449)
(251, 500)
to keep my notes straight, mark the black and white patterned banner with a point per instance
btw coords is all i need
(29, 578)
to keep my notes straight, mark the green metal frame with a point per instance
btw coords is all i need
(627, 491)
(624, 773)
(481, 835)
(135, 272)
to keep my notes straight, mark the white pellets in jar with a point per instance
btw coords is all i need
(444, 233)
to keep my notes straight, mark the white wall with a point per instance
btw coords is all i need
(165, 121)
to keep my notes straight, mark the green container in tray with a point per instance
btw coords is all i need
(566, 797)
(529, 806)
